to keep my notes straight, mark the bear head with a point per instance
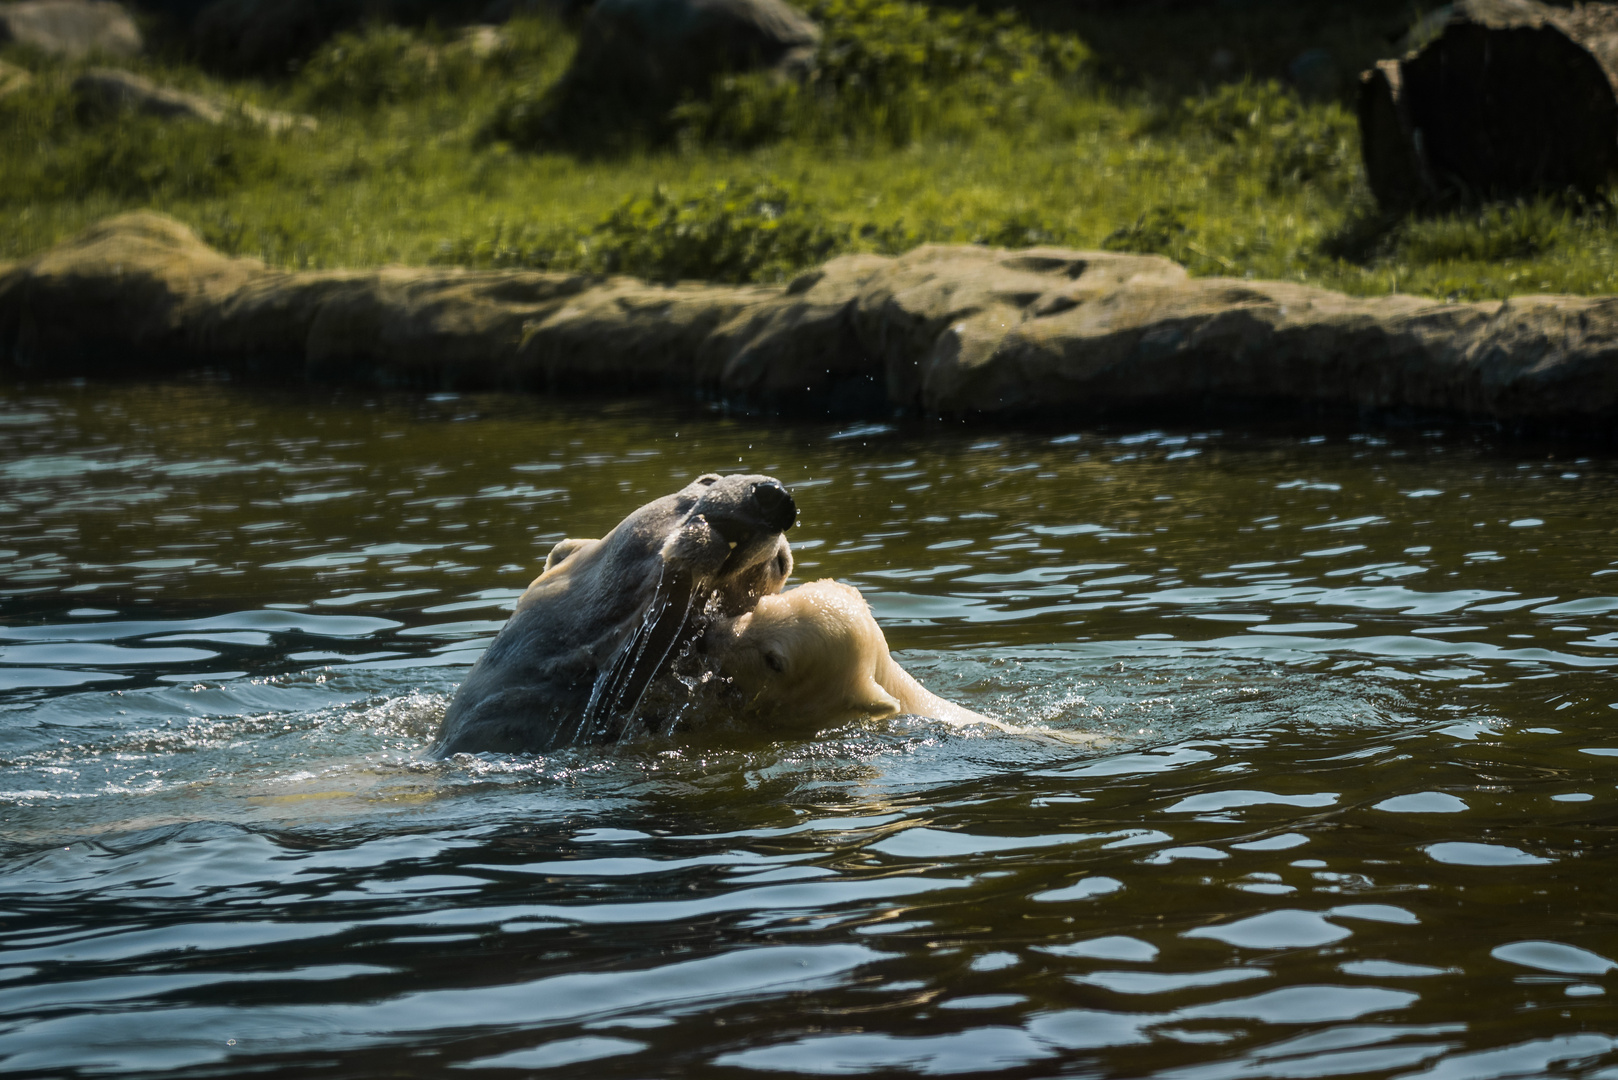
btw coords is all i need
(811, 657)
(604, 620)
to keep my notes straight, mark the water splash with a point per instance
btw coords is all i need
(622, 686)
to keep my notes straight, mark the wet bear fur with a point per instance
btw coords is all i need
(606, 617)
(814, 657)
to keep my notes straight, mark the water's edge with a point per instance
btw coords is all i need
(943, 330)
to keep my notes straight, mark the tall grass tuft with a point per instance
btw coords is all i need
(1266, 127)
(382, 65)
(754, 232)
(48, 153)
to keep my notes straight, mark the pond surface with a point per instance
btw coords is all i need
(1353, 814)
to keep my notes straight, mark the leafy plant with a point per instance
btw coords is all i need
(1495, 234)
(893, 69)
(744, 111)
(136, 157)
(761, 231)
(1269, 128)
(880, 48)
(884, 69)
(382, 64)
(385, 64)
(731, 232)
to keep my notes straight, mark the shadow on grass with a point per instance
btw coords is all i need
(1471, 231)
(1363, 236)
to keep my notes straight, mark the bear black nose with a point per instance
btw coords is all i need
(775, 504)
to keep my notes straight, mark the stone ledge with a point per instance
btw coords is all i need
(953, 330)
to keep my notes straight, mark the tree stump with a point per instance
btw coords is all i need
(1390, 144)
(1513, 98)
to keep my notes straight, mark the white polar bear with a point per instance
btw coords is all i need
(814, 657)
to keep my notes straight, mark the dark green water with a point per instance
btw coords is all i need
(1353, 816)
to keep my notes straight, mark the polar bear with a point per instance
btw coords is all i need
(607, 617)
(815, 657)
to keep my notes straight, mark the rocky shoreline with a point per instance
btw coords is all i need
(946, 330)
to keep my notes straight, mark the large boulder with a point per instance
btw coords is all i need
(954, 330)
(71, 28)
(636, 59)
(1511, 98)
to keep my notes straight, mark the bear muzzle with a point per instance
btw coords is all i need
(775, 505)
(768, 510)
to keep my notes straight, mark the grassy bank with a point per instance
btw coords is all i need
(429, 152)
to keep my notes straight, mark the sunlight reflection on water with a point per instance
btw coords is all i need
(1347, 816)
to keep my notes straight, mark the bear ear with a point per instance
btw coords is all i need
(563, 550)
(709, 479)
(872, 700)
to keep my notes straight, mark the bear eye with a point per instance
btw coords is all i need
(775, 661)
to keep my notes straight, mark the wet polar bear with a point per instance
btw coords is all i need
(605, 619)
(815, 656)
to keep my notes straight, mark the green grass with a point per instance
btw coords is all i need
(420, 158)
